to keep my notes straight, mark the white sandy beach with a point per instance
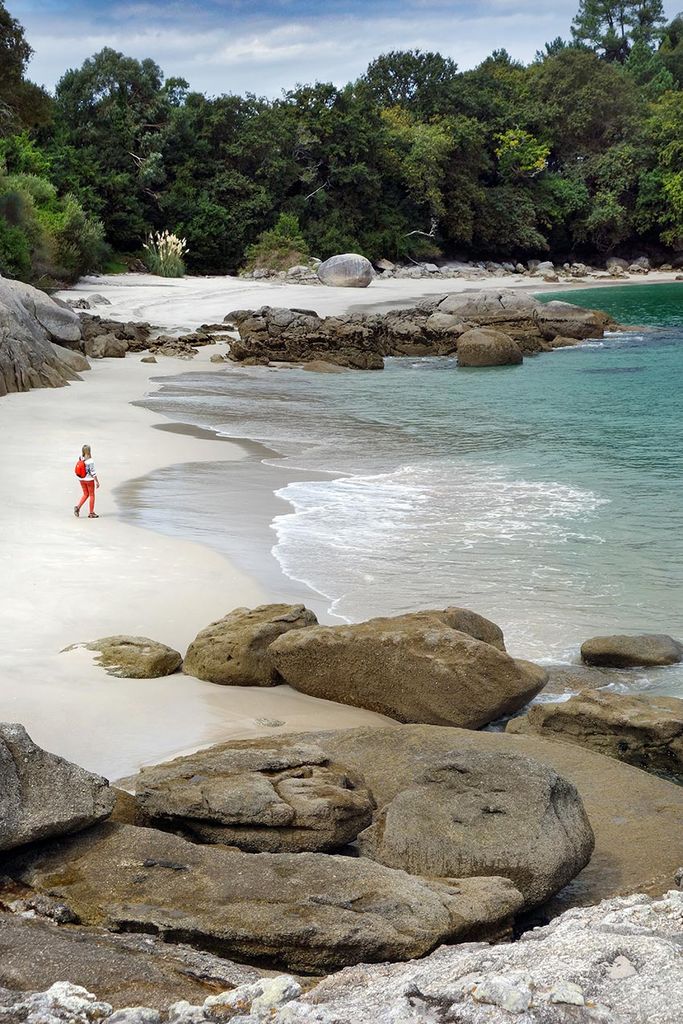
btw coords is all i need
(67, 580)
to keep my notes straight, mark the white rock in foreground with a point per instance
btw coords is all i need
(619, 962)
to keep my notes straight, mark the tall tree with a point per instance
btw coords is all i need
(21, 102)
(417, 80)
(612, 26)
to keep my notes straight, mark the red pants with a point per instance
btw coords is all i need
(88, 487)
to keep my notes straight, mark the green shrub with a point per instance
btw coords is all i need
(280, 247)
(15, 251)
(164, 253)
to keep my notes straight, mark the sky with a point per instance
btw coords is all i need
(264, 46)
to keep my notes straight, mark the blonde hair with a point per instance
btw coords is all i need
(85, 452)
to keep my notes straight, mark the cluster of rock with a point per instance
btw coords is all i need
(353, 270)
(35, 336)
(111, 339)
(482, 328)
(612, 963)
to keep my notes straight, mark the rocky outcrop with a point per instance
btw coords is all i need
(642, 730)
(262, 800)
(435, 327)
(134, 657)
(126, 970)
(636, 818)
(43, 795)
(415, 668)
(346, 271)
(615, 963)
(235, 650)
(484, 347)
(30, 321)
(74, 359)
(309, 911)
(648, 649)
(477, 812)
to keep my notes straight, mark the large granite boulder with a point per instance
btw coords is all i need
(262, 800)
(348, 270)
(484, 347)
(235, 650)
(476, 812)
(648, 649)
(310, 911)
(43, 795)
(637, 818)
(565, 320)
(414, 668)
(74, 359)
(29, 322)
(642, 730)
(125, 970)
(615, 963)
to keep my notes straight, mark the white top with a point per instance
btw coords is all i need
(89, 469)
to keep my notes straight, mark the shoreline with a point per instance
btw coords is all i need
(71, 585)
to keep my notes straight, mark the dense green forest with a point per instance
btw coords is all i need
(579, 152)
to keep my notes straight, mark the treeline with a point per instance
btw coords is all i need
(579, 151)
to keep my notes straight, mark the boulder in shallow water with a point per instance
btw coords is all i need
(476, 812)
(648, 649)
(135, 657)
(235, 650)
(293, 800)
(415, 668)
(43, 795)
(308, 911)
(640, 729)
(483, 347)
(349, 270)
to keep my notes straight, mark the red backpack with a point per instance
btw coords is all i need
(81, 469)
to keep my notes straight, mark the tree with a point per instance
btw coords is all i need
(416, 80)
(21, 102)
(610, 27)
(671, 49)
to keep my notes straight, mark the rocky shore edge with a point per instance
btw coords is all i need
(47, 343)
(223, 884)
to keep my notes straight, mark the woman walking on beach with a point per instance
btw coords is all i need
(85, 471)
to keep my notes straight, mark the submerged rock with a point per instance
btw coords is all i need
(261, 800)
(310, 911)
(346, 271)
(642, 730)
(415, 668)
(234, 651)
(43, 795)
(134, 657)
(477, 812)
(648, 649)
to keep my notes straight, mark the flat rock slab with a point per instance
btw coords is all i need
(135, 657)
(124, 970)
(310, 912)
(637, 818)
(477, 812)
(286, 801)
(234, 651)
(642, 730)
(616, 963)
(415, 668)
(649, 649)
(43, 795)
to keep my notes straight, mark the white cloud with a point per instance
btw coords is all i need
(221, 53)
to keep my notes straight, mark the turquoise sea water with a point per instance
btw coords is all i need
(548, 497)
